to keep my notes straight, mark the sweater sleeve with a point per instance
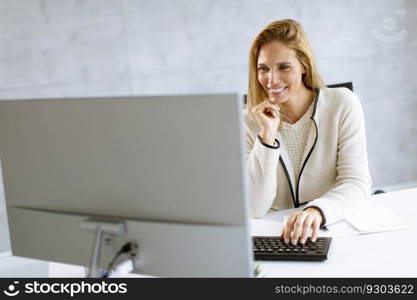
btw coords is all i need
(262, 162)
(353, 181)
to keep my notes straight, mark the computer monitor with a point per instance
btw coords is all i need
(164, 173)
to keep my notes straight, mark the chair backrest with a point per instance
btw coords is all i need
(348, 85)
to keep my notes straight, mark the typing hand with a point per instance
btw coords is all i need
(300, 225)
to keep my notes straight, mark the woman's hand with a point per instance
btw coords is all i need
(302, 224)
(267, 116)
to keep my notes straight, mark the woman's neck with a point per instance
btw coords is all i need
(295, 108)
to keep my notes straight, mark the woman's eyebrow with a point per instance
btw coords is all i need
(277, 64)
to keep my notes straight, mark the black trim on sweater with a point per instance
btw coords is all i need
(269, 146)
(321, 212)
(295, 197)
(305, 162)
(289, 182)
(316, 100)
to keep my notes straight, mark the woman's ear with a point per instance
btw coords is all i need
(303, 70)
(304, 73)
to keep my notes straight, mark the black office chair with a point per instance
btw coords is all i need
(348, 85)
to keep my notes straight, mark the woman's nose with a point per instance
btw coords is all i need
(273, 78)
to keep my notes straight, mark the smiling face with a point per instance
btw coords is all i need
(279, 72)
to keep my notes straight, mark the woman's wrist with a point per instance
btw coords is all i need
(319, 212)
(268, 137)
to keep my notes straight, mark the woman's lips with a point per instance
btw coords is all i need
(277, 91)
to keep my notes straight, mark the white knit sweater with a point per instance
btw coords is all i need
(335, 176)
(294, 137)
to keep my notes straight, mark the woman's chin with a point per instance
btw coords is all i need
(277, 99)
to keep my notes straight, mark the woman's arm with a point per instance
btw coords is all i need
(353, 181)
(262, 161)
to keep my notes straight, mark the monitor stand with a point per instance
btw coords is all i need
(100, 228)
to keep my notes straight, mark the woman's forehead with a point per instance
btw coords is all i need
(276, 52)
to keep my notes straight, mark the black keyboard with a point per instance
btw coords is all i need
(273, 248)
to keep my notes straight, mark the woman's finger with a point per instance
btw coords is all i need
(316, 227)
(266, 104)
(298, 228)
(288, 227)
(308, 223)
(271, 112)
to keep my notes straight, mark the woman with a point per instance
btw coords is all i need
(305, 142)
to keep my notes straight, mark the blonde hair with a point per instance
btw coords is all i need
(291, 34)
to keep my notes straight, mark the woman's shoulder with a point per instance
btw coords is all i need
(340, 98)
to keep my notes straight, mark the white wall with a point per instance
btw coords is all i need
(74, 48)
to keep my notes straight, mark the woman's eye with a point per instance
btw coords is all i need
(264, 69)
(285, 67)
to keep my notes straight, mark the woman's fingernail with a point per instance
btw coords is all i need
(303, 241)
(286, 241)
(294, 242)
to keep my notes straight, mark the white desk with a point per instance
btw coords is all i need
(13, 266)
(385, 254)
